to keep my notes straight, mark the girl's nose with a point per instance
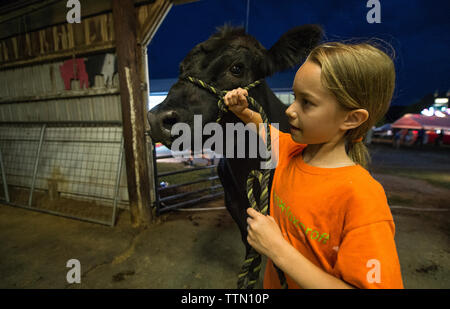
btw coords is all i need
(290, 113)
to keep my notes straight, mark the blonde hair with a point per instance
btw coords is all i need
(360, 76)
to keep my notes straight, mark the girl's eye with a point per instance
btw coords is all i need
(307, 102)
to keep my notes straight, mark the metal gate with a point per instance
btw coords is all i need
(70, 169)
(188, 185)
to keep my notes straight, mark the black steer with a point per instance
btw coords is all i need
(227, 60)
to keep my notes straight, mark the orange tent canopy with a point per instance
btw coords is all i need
(418, 121)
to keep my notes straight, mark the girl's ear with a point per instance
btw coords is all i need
(292, 48)
(355, 118)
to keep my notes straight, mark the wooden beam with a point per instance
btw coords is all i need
(34, 15)
(150, 18)
(128, 53)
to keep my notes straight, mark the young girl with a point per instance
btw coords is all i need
(330, 225)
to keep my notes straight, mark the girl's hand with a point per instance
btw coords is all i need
(264, 235)
(236, 100)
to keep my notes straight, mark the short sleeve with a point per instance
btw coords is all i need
(367, 257)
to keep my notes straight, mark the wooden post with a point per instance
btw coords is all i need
(128, 53)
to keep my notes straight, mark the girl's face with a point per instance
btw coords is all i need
(315, 115)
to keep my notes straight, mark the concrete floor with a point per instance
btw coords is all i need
(185, 250)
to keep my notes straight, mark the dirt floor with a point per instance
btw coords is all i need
(183, 250)
(203, 249)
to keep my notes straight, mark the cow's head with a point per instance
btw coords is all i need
(228, 59)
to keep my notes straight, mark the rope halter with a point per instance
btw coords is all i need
(249, 273)
(220, 94)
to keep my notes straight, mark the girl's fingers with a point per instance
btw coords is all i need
(225, 99)
(249, 220)
(252, 213)
(242, 98)
(228, 99)
(236, 97)
(232, 97)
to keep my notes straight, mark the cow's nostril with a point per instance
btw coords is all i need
(170, 120)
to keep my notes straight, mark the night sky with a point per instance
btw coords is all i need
(418, 30)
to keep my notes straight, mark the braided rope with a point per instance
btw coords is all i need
(249, 273)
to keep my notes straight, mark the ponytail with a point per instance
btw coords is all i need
(358, 152)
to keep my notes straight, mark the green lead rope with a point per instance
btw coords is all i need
(249, 274)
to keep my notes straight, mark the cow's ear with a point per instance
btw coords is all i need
(292, 48)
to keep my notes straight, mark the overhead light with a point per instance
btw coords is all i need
(441, 100)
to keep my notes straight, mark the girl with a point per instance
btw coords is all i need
(330, 224)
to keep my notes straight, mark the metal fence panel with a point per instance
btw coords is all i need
(193, 190)
(78, 161)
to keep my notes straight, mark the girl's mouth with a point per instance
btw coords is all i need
(294, 129)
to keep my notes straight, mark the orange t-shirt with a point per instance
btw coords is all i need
(338, 218)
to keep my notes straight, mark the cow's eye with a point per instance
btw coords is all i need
(236, 69)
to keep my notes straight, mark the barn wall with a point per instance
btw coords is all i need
(94, 34)
(36, 93)
(59, 41)
(32, 89)
(96, 108)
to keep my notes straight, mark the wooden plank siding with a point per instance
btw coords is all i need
(94, 34)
